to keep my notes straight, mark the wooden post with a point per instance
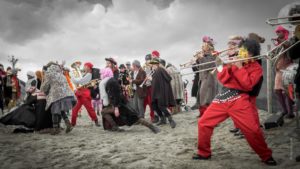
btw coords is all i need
(269, 84)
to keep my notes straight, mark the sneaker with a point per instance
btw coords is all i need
(199, 157)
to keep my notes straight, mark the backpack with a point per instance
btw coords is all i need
(95, 73)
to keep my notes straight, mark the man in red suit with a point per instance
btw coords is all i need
(84, 96)
(238, 79)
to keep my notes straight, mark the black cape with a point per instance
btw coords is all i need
(161, 88)
(31, 114)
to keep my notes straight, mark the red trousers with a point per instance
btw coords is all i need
(202, 109)
(243, 114)
(148, 101)
(253, 101)
(83, 98)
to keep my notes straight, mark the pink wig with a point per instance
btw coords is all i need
(282, 29)
(106, 72)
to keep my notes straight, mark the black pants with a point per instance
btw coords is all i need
(160, 110)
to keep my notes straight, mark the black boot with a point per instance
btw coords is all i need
(270, 162)
(97, 123)
(156, 119)
(162, 121)
(69, 127)
(199, 157)
(172, 122)
(234, 130)
(153, 128)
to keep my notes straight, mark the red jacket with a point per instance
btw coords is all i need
(241, 78)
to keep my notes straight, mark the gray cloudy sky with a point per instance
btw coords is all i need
(38, 31)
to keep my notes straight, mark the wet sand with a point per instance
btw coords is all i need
(88, 146)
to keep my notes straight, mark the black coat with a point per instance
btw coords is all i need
(116, 98)
(161, 88)
(294, 53)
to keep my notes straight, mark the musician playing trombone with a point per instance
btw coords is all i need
(207, 87)
(84, 96)
(238, 80)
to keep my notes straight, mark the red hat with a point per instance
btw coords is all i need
(155, 54)
(89, 64)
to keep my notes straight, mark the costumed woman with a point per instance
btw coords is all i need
(60, 98)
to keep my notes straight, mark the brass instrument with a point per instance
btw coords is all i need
(222, 62)
(91, 83)
(76, 72)
(190, 64)
(289, 14)
(147, 77)
(289, 17)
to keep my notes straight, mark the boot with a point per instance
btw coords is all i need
(69, 127)
(153, 128)
(172, 122)
(111, 121)
(55, 131)
(97, 123)
(162, 121)
(156, 119)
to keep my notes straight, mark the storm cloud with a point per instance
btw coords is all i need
(37, 31)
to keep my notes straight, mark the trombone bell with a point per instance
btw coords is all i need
(289, 16)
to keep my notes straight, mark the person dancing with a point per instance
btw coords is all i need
(116, 110)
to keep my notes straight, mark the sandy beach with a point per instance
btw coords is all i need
(90, 147)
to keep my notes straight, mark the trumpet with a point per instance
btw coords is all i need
(148, 76)
(91, 83)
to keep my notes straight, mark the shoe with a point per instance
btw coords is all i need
(162, 121)
(97, 123)
(270, 162)
(298, 158)
(238, 133)
(172, 122)
(242, 136)
(199, 157)
(55, 131)
(234, 130)
(156, 119)
(195, 107)
(117, 129)
(290, 116)
(69, 127)
(153, 128)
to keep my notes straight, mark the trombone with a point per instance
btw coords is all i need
(275, 21)
(186, 65)
(224, 62)
(289, 14)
